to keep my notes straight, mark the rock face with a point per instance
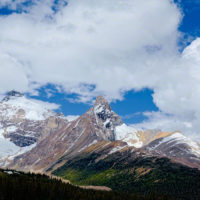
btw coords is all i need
(106, 118)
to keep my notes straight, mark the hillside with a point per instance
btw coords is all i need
(132, 172)
(17, 186)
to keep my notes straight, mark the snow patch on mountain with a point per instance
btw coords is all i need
(100, 108)
(9, 150)
(11, 129)
(104, 114)
(128, 134)
(86, 146)
(72, 117)
(33, 109)
(179, 138)
(118, 148)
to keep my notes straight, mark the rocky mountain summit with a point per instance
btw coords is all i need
(105, 118)
(11, 94)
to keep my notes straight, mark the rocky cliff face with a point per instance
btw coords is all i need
(105, 118)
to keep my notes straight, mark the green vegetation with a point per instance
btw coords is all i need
(27, 186)
(142, 176)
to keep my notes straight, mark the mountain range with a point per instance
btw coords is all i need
(97, 148)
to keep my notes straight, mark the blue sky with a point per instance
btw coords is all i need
(130, 109)
(142, 56)
(190, 25)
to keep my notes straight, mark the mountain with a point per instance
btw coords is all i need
(101, 124)
(23, 123)
(97, 124)
(96, 148)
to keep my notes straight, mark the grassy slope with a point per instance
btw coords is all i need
(140, 175)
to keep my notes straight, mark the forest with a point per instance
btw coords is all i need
(16, 185)
(141, 176)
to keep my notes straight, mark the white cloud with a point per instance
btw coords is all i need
(115, 45)
(47, 105)
(178, 95)
(72, 117)
(162, 121)
(169, 123)
(12, 74)
(111, 44)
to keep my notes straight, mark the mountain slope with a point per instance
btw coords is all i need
(121, 167)
(176, 147)
(130, 169)
(23, 123)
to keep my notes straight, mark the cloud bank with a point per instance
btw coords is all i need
(110, 44)
(178, 98)
(94, 47)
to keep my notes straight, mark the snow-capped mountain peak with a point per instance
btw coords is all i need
(100, 100)
(12, 94)
(129, 135)
(16, 105)
(104, 113)
(24, 121)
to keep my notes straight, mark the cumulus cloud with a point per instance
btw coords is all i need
(164, 122)
(94, 47)
(47, 105)
(110, 44)
(178, 96)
